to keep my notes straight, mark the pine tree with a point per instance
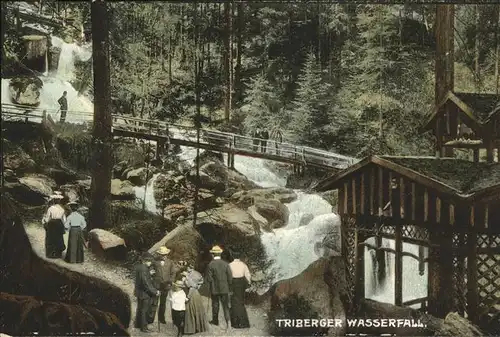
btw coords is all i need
(310, 107)
(262, 105)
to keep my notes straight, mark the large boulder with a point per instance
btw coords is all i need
(221, 178)
(247, 198)
(175, 211)
(234, 228)
(107, 244)
(183, 241)
(274, 211)
(39, 183)
(313, 294)
(74, 192)
(61, 176)
(26, 315)
(18, 160)
(139, 176)
(122, 190)
(204, 180)
(230, 216)
(25, 90)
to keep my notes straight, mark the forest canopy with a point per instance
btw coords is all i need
(351, 78)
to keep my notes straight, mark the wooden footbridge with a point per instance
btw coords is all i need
(213, 140)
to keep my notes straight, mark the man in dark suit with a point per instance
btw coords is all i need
(219, 278)
(144, 291)
(163, 278)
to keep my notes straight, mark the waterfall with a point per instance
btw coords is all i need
(414, 284)
(147, 195)
(80, 107)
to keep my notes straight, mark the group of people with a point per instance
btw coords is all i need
(56, 222)
(261, 137)
(158, 278)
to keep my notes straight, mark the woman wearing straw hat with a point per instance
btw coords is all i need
(196, 320)
(178, 299)
(53, 222)
(75, 223)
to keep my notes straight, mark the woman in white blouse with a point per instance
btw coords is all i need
(53, 222)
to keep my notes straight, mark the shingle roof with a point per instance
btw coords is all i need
(462, 175)
(483, 105)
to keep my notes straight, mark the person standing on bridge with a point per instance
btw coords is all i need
(63, 106)
(256, 141)
(263, 142)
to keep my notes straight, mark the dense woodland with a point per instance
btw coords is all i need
(355, 79)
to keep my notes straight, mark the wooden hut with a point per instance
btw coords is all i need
(467, 121)
(451, 206)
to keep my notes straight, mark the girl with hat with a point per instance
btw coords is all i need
(53, 222)
(75, 223)
(178, 301)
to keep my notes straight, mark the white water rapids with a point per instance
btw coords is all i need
(56, 82)
(290, 249)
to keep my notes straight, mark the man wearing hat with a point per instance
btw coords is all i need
(219, 278)
(53, 222)
(165, 274)
(144, 291)
(75, 223)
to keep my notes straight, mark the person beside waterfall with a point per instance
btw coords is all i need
(219, 279)
(196, 319)
(63, 106)
(76, 224)
(241, 282)
(144, 291)
(165, 275)
(263, 144)
(256, 140)
(53, 222)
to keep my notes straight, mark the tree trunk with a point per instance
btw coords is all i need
(226, 56)
(198, 113)
(99, 213)
(170, 57)
(239, 50)
(477, 69)
(497, 51)
(183, 51)
(319, 36)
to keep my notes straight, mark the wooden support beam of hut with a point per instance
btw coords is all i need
(396, 215)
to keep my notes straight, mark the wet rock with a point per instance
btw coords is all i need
(119, 168)
(247, 198)
(305, 219)
(252, 210)
(274, 211)
(25, 90)
(204, 180)
(139, 176)
(107, 244)
(309, 296)
(231, 216)
(258, 276)
(122, 190)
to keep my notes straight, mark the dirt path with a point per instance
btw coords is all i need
(121, 277)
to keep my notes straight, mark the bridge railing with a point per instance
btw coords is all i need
(230, 142)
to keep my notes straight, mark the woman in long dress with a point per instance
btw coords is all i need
(241, 281)
(196, 319)
(75, 223)
(53, 222)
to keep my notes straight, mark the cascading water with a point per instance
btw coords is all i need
(414, 284)
(146, 195)
(80, 107)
